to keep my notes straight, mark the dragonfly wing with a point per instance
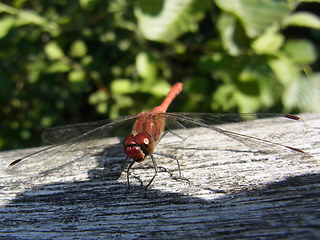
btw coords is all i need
(62, 134)
(74, 148)
(253, 132)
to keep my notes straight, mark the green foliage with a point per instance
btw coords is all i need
(165, 21)
(73, 61)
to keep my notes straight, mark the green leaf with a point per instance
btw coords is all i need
(268, 43)
(146, 66)
(58, 66)
(247, 95)
(160, 88)
(86, 60)
(256, 15)
(122, 86)
(99, 99)
(317, 1)
(227, 26)
(179, 48)
(24, 17)
(35, 69)
(102, 108)
(7, 9)
(121, 101)
(224, 98)
(6, 23)
(87, 4)
(31, 17)
(303, 19)
(166, 20)
(247, 103)
(78, 75)
(300, 51)
(98, 96)
(53, 51)
(284, 69)
(78, 49)
(268, 92)
(303, 94)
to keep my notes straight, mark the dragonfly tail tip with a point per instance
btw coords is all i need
(15, 162)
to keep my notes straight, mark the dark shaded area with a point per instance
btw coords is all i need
(100, 207)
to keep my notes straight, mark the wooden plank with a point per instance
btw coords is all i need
(233, 192)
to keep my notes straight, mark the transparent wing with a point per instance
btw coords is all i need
(253, 132)
(75, 142)
(65, 133)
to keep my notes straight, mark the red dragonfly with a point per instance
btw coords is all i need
(147, 131)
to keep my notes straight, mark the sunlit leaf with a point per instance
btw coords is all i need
(98, 96)
(87, 4)
(78, 49)
(166, 20)
(268, 93)
(317, 1)
(224, 98)
(256, 15)
(121, 101)
(6, 23)
(284, 69)
(247, 103)
(146, 66)
(303, 19)
(53, 51)
(31, 17)
(58, 66)
(300, 51)
(99, 100)
(124, 45)
(102, 108)
(227, 26)
(268, 43)
(160, 88)
(303, 93)
(77, 75)
(122, 86)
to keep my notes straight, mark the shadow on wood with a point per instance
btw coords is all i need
(92, 209)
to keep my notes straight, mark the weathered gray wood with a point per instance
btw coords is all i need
(233, 191)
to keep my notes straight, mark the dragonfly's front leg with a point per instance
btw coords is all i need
(155, 171)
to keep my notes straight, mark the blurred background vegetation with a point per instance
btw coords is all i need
(71, 61)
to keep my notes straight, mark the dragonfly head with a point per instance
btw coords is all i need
(138, 147)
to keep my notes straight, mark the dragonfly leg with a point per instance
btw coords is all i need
(173, 133)
(124, 164)
(178, 164)
(180, 176)
(173, 157)
(128, 172)
(155, 170)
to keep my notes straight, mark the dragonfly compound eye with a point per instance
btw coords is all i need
(128, 140)
(145, 142)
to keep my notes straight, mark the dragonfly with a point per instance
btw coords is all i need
(149, 127)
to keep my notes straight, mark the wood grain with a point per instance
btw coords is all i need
(234, 191)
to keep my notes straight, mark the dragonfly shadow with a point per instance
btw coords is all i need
(111, 161)
(86, 209)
